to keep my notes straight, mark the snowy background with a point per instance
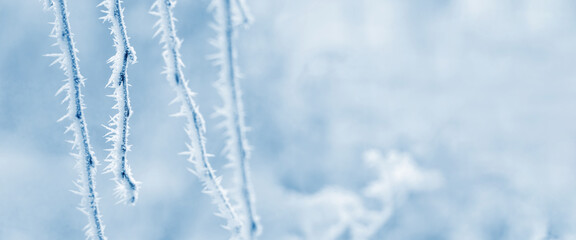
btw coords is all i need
(429, 119)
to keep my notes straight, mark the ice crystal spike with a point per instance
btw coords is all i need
(126, 186)
(244, 12)
(195, 124)
(86, 161)
(237, 149)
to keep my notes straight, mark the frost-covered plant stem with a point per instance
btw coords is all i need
(237, 147)
(195, 124)
(86, 160)
(126, 186)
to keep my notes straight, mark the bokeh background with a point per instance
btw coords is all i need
(481, 92)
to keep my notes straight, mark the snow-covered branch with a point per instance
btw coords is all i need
(195, 124)
(126, 186)
(86, 161)
(237, 149)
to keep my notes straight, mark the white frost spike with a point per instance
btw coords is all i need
(126, 186)
(195, 124)
(237, 149)
(86, 161)
(244, 12)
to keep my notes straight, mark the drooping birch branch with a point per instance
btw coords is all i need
(126, 186)
(86, 161)
(195, 124)
(237, 149)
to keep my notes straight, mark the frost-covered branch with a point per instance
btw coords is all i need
(126, 186)
(86, 161)
(237, 149)
(195, 124)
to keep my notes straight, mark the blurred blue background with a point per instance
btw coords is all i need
(482, 92)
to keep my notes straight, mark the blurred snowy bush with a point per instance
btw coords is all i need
(337, 213)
